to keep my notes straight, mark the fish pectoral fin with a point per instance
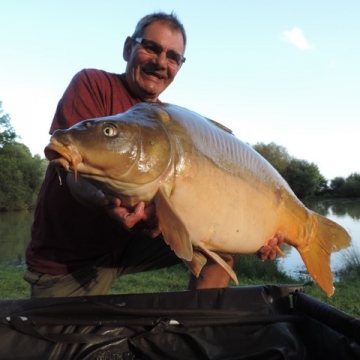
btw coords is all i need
(173, 229)
(280, 252)
(197, 263)
(219, 260)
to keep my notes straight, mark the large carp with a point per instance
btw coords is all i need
(213, 193)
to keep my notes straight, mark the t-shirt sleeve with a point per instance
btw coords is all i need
(82, 99)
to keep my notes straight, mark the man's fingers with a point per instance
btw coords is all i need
(149, 212)
(111, 201)
(140, 218)
(139, 209)
(264, 252)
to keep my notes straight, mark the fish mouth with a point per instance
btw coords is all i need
(63, 157)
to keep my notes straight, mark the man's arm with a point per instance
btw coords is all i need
(212, 275)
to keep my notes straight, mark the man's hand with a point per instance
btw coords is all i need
(140, 218)
(272, 248)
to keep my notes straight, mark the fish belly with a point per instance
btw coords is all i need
(231, 214)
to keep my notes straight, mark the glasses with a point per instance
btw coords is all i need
(153, 48)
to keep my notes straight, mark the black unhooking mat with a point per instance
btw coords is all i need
(260, 322)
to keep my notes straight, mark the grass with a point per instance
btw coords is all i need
(12, 284)
(250, 270)
(346, 296)
(170, 279)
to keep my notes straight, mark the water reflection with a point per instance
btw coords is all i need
(14, 236)
(338, 207)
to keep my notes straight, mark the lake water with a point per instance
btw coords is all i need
(14, 236)
(15, 233)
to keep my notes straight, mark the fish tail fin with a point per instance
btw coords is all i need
(326, 237)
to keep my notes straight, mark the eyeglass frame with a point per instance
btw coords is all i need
(158, 49)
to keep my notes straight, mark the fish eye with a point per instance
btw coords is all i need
(110, 130)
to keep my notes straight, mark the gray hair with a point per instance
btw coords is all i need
(171, 20)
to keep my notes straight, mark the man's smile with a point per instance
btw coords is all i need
(153, 73)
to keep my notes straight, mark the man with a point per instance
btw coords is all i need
(82, 240)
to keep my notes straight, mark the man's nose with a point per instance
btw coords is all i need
(161, 59)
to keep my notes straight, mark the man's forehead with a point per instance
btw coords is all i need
(162, 32)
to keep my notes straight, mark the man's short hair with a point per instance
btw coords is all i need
(170, 20)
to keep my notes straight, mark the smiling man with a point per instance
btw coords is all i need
(81, 239)
(154, 56)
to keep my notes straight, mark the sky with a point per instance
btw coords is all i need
(277, 71)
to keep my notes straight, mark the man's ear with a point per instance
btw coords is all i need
(128, 45)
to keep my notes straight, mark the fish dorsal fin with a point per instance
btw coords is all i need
(221, 126)
(173, 229)
(219, 260)
(197, 263)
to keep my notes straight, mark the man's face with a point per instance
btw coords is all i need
(148, 75)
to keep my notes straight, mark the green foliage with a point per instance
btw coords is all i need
(322, 187)
(349, 187)
(7, 133)
(275, 154)
(346, 297)
(303, 177)
(351, 261)
(12, 284)
(20, 176)
(174, 278)
(20, 172)
(336, 184)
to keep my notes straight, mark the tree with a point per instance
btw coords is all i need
(336, 184)
(21, 173)
(275, 154)
(20, 177)
(303, 177)
(7, 133)
(322, 187)
(351, 187)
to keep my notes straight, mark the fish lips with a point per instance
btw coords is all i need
(60, 157)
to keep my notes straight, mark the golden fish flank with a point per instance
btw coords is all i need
(213, 193)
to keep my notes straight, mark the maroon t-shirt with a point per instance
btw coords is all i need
(66, 235)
